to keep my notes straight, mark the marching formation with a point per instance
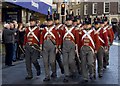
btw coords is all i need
(75, 46)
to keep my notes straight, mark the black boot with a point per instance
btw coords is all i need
(53, 75)
(66, 79)
(100, 75)
(46, 79)
(28, 77)
(84, 81)
(38, 72)
(62, 71)
(37, 66)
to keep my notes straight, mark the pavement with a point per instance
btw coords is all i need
(15, 75)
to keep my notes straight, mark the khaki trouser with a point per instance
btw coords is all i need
(106, 58)
(87, 60)
(31, 56)
(100, 56)
(49, 57)
(68, 57)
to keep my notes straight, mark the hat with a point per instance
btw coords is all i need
(96, 20)
(33, 18)
(87, 16)
(75, 19)
(69, 16)
(105, 18)
(49, 17)
(56, 16)
(87, 20)
(78, 17)
(101, 20)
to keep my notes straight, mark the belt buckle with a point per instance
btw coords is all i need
(29, 43)
(67, 38)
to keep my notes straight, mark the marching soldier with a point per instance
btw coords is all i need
(80, 26)
(70, 41)
(49, 45)
(77, 27)
(75, 21)
(110, 35)
(31, 40)
(89, 44)
(79, 23)
(102, 35)
(59, 27)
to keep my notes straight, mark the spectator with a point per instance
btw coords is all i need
(115, 29)
(7, 38)
(15, 38)
(21, 41)
(44, 24)
(119, 30)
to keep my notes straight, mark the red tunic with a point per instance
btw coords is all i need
(74, 38)
(32, 37)
(49, 36)
(102, 35)
(59, 28)
(85, 40)
(110, 33)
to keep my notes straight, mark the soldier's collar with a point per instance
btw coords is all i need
(50, 25)
(33, 26)
(57, 24)
(87, 29)
(97, 28)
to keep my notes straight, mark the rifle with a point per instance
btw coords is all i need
(77, 54)
(55, 44)
(22, 49)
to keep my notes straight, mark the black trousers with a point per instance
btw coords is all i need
(9, 53)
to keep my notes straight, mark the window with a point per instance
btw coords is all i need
(118, 7)
(73, 3)
(106, 7)
(85, 9)
(78, 11)
(94, 8)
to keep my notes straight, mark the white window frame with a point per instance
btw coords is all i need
(86, 9)
(93, 10)
(118, 7)
(104, 7)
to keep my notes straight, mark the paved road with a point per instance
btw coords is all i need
(16, 74)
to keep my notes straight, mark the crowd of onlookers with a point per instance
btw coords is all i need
(13, 39)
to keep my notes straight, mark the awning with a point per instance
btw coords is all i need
(34, 5)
